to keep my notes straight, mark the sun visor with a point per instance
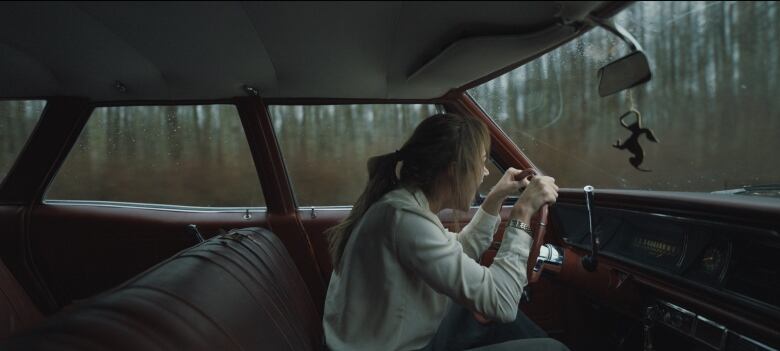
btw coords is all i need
(472, 58)
(572, 11)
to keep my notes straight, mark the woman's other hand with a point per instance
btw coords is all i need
(510, 183)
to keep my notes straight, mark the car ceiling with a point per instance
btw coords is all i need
(211, 50)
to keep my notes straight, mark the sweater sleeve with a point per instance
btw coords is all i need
(476, 236)
(438, 258)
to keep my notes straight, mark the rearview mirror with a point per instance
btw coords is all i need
(623, 73)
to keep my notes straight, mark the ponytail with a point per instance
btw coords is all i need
(381, 180)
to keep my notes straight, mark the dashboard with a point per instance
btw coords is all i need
(736, 261)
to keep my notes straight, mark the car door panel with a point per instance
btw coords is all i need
(315, 222)
(10, 227)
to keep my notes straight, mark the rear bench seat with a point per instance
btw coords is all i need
(238, 291)
(17, 311)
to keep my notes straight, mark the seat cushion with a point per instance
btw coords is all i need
(238, 291)
(17, 311)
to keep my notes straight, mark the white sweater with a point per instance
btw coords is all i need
(401, 266)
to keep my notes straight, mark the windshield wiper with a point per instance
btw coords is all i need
(770, 190)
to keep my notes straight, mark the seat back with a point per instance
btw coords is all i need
(17, 311)
(238, 291)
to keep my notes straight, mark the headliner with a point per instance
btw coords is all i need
(195, 51)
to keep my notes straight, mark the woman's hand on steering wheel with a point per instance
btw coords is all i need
(510, 183)
(540, 191)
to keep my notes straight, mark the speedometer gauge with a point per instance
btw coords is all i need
(711, 264)
(655, 248)
(712, 260)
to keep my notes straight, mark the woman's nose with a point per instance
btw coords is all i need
(485, 171)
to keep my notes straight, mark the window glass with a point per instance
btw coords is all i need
(177, 155)
(712, 102)
(491, 179)
(17, 120)
(326, 147)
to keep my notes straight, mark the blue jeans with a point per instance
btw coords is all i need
(460, 331)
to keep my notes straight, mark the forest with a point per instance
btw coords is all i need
(712, 103)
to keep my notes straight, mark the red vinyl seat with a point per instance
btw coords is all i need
(17, 311)
(238, 291)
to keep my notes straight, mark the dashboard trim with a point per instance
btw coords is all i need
(710, 304)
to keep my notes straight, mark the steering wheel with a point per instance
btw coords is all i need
(539, 227)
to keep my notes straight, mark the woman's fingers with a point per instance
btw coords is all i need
(552, 191)
(509, 183)
(522, 178)
(523, 184)
(541, 190)
(552, 196)
(513, 181)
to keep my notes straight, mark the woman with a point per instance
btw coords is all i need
(396, 268)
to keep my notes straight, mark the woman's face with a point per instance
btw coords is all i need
(485, 171)
(470, 189)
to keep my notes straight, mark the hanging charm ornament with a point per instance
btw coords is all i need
(632, 143)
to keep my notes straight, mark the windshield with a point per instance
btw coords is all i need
(712, 102)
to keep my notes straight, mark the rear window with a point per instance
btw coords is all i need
(176, 155)
(17, 121)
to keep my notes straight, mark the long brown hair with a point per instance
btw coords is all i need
(439, 142)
